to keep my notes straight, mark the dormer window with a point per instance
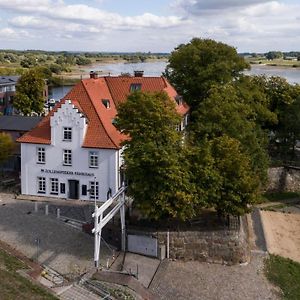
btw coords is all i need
(67, 134)
(178, 99)
(135, 87)
(106, 103)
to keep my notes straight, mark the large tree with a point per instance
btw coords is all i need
(29, 96)
(194, 67)
(227, 111)
(155, 164)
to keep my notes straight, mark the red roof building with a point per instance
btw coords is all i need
(75, 151)
(98, 98)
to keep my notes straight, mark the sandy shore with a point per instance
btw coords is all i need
(282, 233)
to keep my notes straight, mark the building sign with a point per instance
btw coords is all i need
(67, 172)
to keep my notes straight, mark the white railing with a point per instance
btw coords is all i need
(118, 203)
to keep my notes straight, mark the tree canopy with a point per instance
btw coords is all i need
(159, 181)
(194, 67)
(6, 146)
(29, 96)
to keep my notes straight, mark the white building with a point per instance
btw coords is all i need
(74, 152)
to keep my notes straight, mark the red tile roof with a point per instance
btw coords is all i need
(87, 96)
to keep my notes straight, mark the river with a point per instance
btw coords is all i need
(156, 68)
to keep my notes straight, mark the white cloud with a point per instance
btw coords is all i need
(249, 25)
(84, 14)
(196, 7)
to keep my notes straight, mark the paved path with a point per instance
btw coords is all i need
(142, 267)
(62, 247)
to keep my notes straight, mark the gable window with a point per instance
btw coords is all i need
(67, 134)
(67, 157)
(93, 159)
(94, 190)
(41, 188)
(41, 155)
(135, 87)
(54, 186)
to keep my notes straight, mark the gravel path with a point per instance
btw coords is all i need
(195, 280)
(62, 247)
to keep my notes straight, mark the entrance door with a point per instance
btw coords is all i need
(73, 189)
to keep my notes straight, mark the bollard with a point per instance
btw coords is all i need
(36, 207)
(58, 213)
(46, 209)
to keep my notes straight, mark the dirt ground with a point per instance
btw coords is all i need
(282, 233)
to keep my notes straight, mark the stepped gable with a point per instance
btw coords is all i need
(96, 135)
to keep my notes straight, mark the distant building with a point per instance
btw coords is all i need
(16, 126)
(7, 93)
(75, 151)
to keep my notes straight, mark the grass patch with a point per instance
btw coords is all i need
(274, 197)
(284, 273)
(15, 287)
(275, 207)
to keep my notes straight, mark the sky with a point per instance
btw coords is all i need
(148, 25)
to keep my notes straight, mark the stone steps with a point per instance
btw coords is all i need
(77, 292)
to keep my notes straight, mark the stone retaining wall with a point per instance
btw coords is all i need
(283, 179)
(215, 246)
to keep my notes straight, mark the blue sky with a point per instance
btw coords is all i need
(148, 25)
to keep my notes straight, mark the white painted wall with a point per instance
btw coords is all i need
(107, 173)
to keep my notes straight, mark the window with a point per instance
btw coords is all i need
(106, 103)
(54, 186)
(94, 189)
(41, 185)
(67, 158)
(178, 99)
(93, 159)
(67, 134)
(135, 87)
(41, 155)
(83, 190)
(62, 188)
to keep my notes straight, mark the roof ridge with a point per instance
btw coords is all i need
(86, 90)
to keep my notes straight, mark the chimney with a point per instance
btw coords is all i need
(138, 73)
(93, 75)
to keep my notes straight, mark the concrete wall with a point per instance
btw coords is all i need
(283, 179)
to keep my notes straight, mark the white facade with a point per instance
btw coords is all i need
(64, 168)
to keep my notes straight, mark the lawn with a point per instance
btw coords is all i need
(13, 286)
(280, 196)
(284, 273)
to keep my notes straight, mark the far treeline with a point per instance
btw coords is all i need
(238, 126)
(13, 62)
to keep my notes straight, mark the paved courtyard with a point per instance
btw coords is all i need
(61, 247)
